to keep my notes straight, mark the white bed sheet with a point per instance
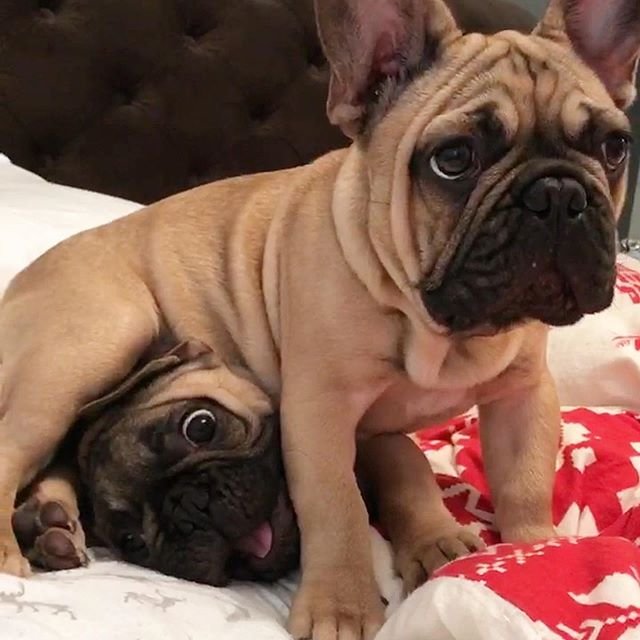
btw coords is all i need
(110, 600)
(36, 214)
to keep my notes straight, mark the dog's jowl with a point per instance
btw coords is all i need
(382, 287)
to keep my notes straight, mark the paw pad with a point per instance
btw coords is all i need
(48, 536)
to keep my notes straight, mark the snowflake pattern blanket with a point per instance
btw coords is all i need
(575, 587)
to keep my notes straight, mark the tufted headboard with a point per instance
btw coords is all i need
(143, 98)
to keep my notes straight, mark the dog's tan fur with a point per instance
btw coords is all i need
(308, 277)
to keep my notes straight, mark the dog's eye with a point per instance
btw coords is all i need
(454, 160)
(199, 427)
(615, 150)
(133, 546)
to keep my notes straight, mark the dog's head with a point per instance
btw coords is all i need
(183, 472)
(495, 164)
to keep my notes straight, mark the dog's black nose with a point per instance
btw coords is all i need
(555, 198)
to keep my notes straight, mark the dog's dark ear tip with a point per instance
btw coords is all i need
(190, 349)
(605, 34)
(187, 350)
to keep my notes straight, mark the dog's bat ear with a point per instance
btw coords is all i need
(605, 34)
(190, 350)
(367, 41)
(184, 352)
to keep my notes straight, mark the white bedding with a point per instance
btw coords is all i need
(115, 601)
(36, 214)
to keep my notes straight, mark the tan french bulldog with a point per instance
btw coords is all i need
(381, 287)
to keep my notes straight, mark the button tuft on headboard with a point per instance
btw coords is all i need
(125, 86)
(125, 95)
(315, 57)
(44, 157)
(198, 30)
(261, 112)
(49, 6)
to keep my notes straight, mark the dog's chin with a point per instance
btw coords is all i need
(501, 280)
(271, 551)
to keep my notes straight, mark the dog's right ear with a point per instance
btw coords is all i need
(184, 352)
(367, 41)
(605, 34)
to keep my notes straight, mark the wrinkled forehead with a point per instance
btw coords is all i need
(116, 448)
(231, 388)
(527, 85)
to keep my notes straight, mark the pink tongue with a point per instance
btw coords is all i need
(258, 543)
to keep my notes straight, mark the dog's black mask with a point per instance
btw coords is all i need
(546, 252)
(194, 493)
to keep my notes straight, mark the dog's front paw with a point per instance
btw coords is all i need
(49, 536)
(11, 559)
(341, 605)
(416, 561)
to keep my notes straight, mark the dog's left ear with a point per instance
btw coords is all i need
(605, 34)
(366, 41)
(184, 352)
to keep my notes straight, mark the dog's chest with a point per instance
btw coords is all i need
(437, 362)
(404, 407)
(441, 380)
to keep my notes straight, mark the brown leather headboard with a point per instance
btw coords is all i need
(143, 98)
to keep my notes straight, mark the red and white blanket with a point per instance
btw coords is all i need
(574, 587)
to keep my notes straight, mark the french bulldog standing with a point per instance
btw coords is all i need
(380, 288)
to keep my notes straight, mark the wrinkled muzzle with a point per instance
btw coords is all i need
(217, 518)
(545, 252)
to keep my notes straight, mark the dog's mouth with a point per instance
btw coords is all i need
(271, 550)
(258, 543)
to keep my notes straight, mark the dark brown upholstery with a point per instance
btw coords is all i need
(143, 98)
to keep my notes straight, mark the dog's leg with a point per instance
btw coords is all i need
(520, 439)
(49, 370)
(47, 525)
(399, 481)
(338, 598)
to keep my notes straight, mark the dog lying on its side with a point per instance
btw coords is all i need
(179, 469)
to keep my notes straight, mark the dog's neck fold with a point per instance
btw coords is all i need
(361, 226)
